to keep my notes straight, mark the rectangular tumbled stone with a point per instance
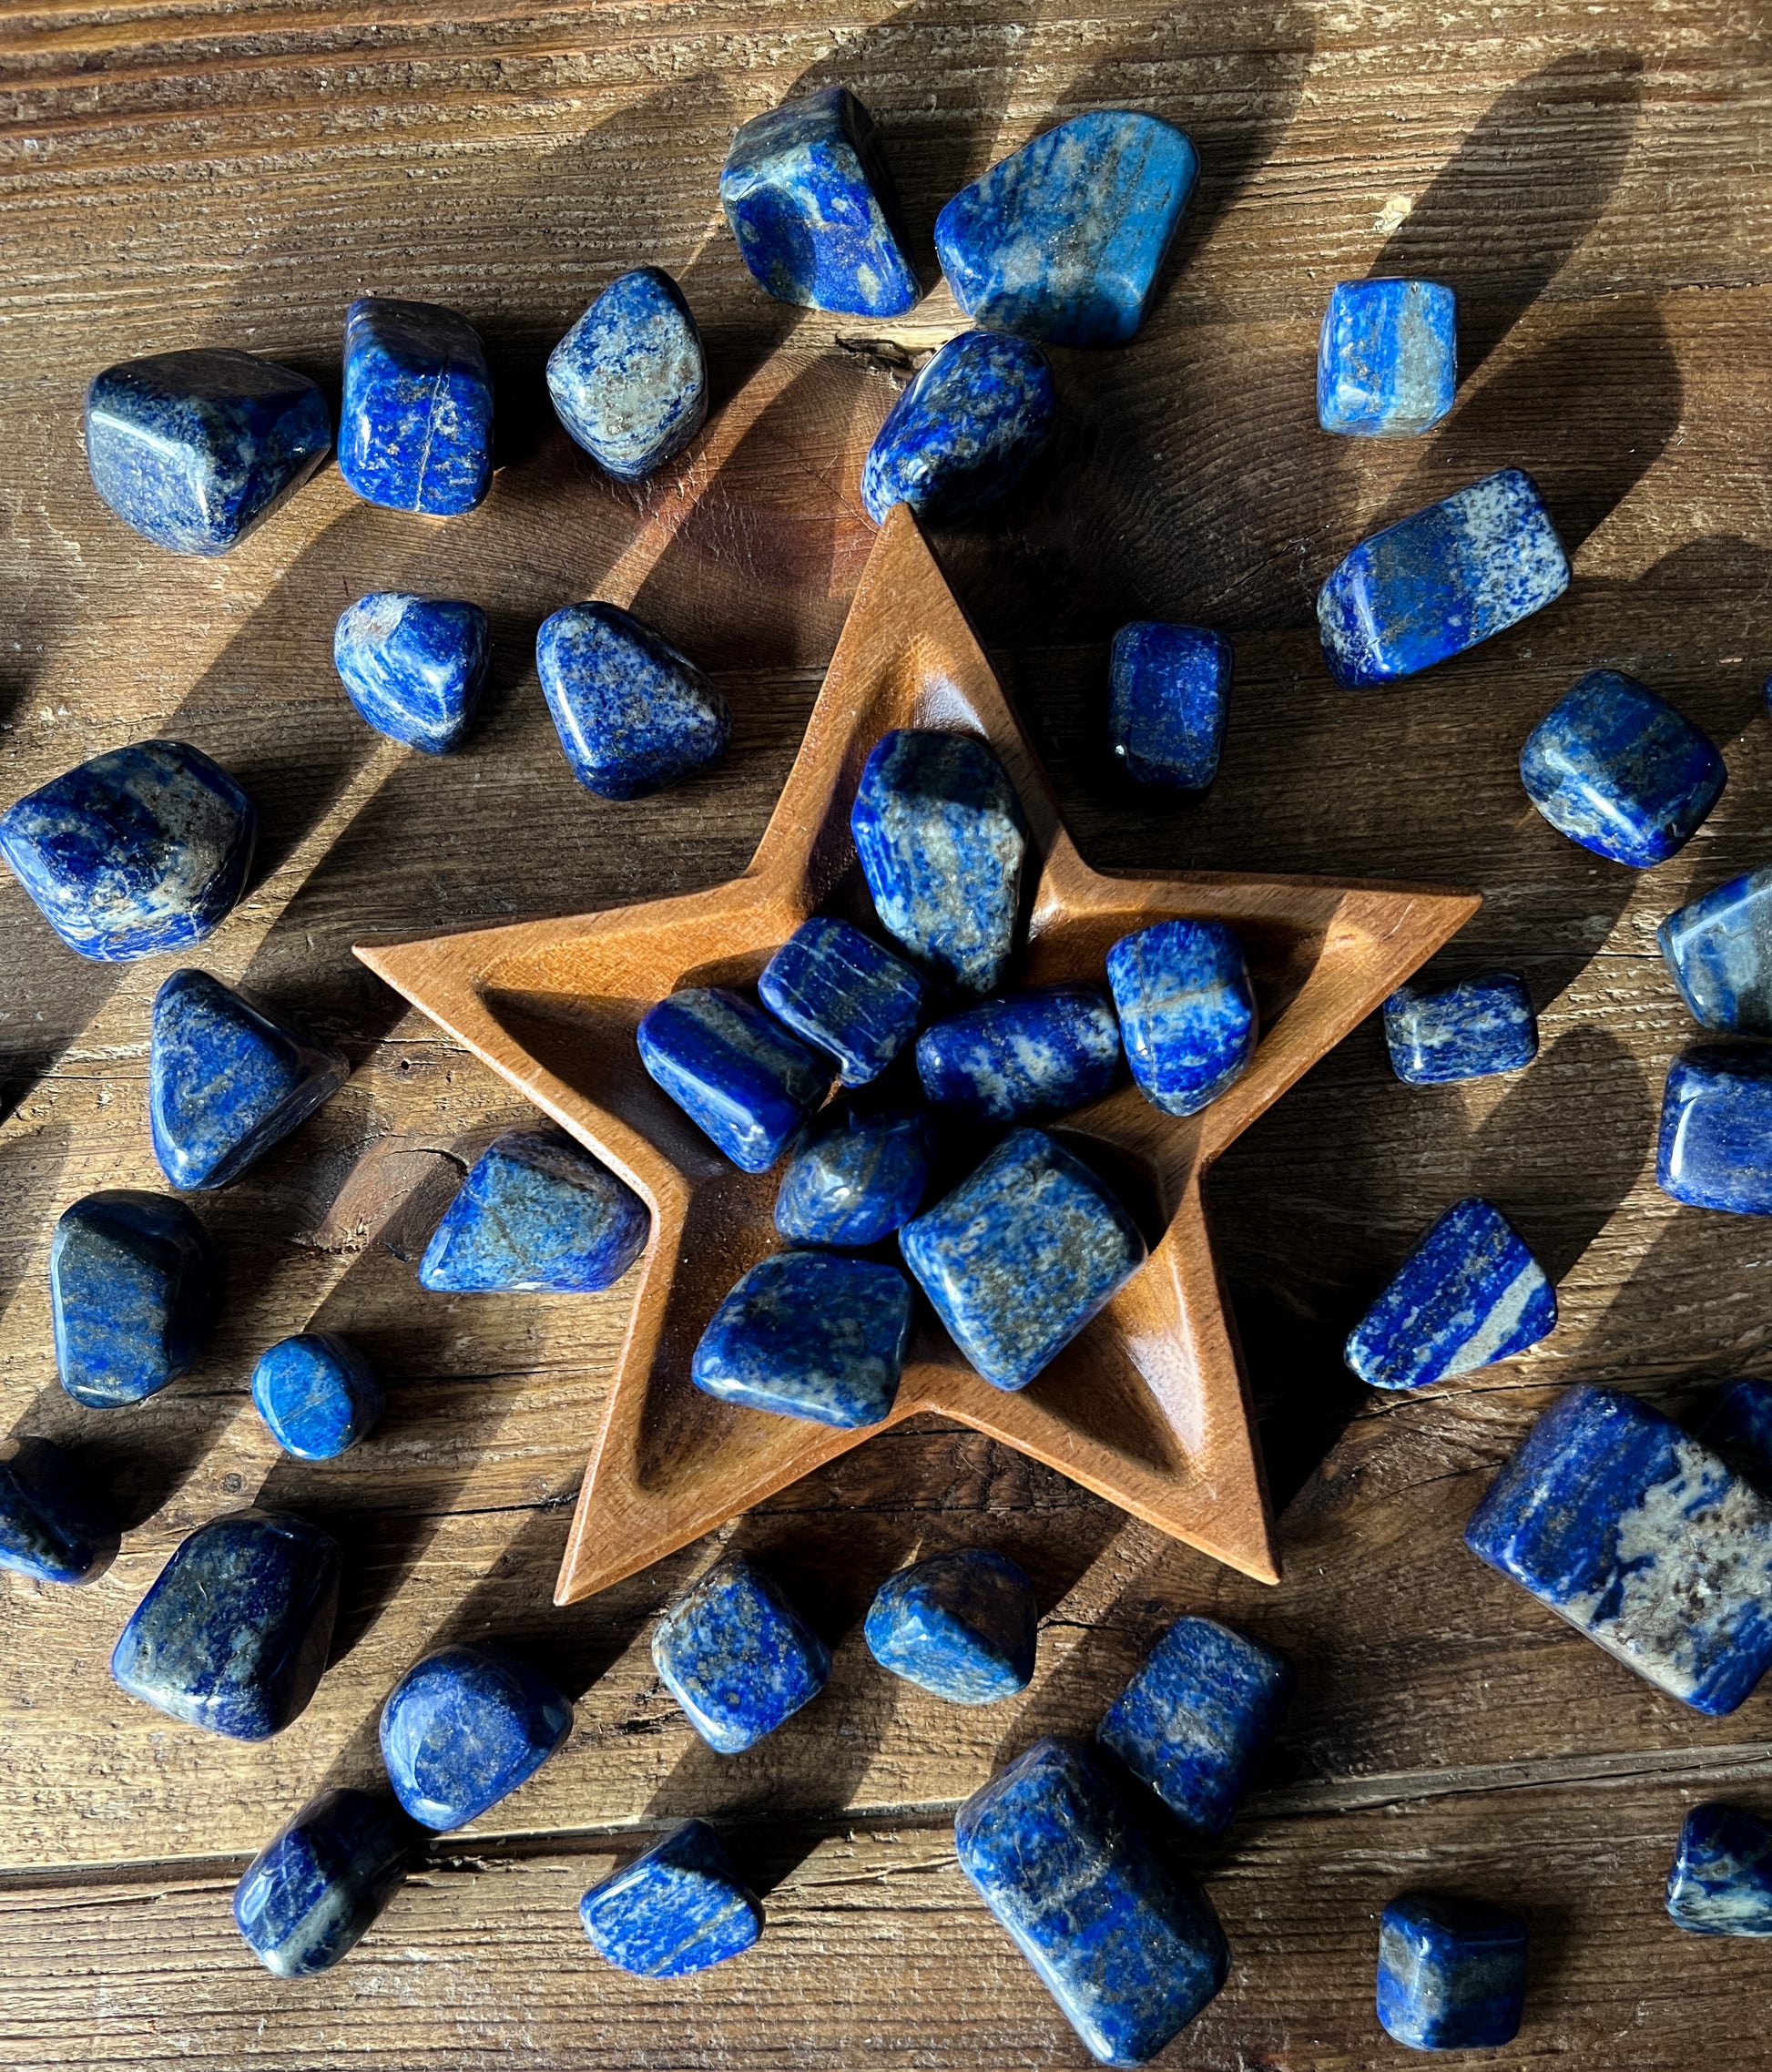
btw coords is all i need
(1714, 1149)
(1720, 951)
(1468, 1031)
(680, 1907)
(834, 987)
(733, 1070)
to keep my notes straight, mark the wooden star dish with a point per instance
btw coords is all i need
(1148, 1406)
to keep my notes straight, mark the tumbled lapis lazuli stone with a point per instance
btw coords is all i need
(1643, 1539)
(537, 1214)
(415, 428)
(809, 198)
(317, 1394)
(1720, 1881)
(858, 1179)
(311, 1892)
(463, 1727)
(195, 449)
(679, 1908)
(1451, 1973)
(733, 1070)
(1720, 951)
(144, 848)
(1738, 1426)
(961, 436)
(629, 380)
(962, 1625)
(1021, 1255)
(51, 1528)
(1440, 580)
(1064, 238)
(1027, 1054)
(233, 1636)
(633, 714)
(834, 987)
(1467, 1031)
(1714, 1147)
(1187, 1012)
(737, 1656)
(1618, 769)
(134, 1291)
(414, 668)
(1387, 358)
(1168, 697)
(1127, 1945)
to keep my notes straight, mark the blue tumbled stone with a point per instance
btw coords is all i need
(52, 1528)
(1028, 1054)
(314, 1889)
(1439, 581)
(1021, 1255)
(134, 1291)
(1737, 1425)
(1714, 1147)
(680, 1907)
(1187, 1012)
(1127, 1944)
(962, 1625)
(414, 668)
(1720, 951)
(1168, 697)
(1386, 359)
(1720, 1881)
(961, 436)
(632, 713)
(317, 1394)
(415, 428)
(1064, 238)
(537, 1214)
(1643, 1539)
(1451, 1973)
(809, 198)
(737, 1656)
(858, 1179)
(195, 449)
(1468, 1031)
(144, 848)
(233, 1636)
(1196, 1721)
(834, 987)
(463, 1727)
(733, 1070)
(629, 380)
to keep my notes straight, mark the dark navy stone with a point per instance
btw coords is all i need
(733, 1070)
(414, 668)
(942, 844)
(737, 1658)
(415, 429)
(1196, 1721)
(633, 714)
(1468, 1031)
(961, 436)
(1738, 1426)
(1467, 1295)
(1021, 1255)
(1028, 1054)
(1387, 360)
(680, 1907)
(1715, 1150)
(317, 1394)
(1643, 1539)
(1439, 581)
(134, 1291)
(52, 1526)
(1616, 769)
(629, 380)
(834, 987)
(1064, 238)
(144, 848)
(1168, 697)
(1451, 1973)
(195, 449)
(810, 200)
(1127, 1945)
(463, 1727)
(233, 1636)
(537, 1214)
(1720, 951)
(1720, 1881)
(316, 1887)
(961, 1625)
(1187, 1009)
(858, 1179)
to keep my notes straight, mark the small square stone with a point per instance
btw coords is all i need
(1187, 1009)
(837, 989)
(315, 1888)
(962, 1625)
(737, 1658)
(413, 667)
(463, 1727)
(858, 1179)
(973, 423)
(1720, 1881)
(1168, 698)
(1028, 1054)
(415, 428)
(733, 1070)
(1468, 1031)
(679, 1908)
(317, 1394)
(1714, 1147)
(634, 714)
(1387, 360)
(1720, 951)
(134, 1291)
(629, 380)
(54, 1528)
(537, 1214)
(1451, 1973)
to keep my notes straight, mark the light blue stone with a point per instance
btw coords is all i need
(1643, 1539)
(680, 1907)
(1715, 1148)
(1720, 1881)
(53, 1526)
(858, 1179)
(633, 714)
(629, 380)
(196, 449)
(1021, 1255)
(312, 1892)
(1187, 1009)
(537, 1214)
(317, 1394)
(737, 1658)
(1028, 1054)
(1720, 951)
(134, 1291)
(463, 1727)
(1168, 698)
(144, 848)
(1738, 1426)
(829, 984)
(734, 1071)
(1064, 238)
(1439, 581)
(1451, 1973)
(415, 429)
(414, 668)
(1386, 359)
(961, 436)
(1468, 1031)
(1126, 1944)
(963, 1626)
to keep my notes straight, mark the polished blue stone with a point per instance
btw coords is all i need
(317, 1394)
(629, 380)
(810, 200)
(737, 1656)
(1715, 1150)
(1642, 1539)
(1451, 1973)
(1196, 1721)
(962, 1625)
(1739, 1425)
(1064, 238)
(1187, 1012)
(415, 428)
(735, 1071)
(1467, 1031)
(463, 1727)
(1027, 1054)
(1439, 581)
(1720, 1881)
(144, 848)
(53, 1526)
(858, 1179)
(1720, 951)
(632, 713)
(829, 984)
(134, 1291)
(679, 1908)
(414, 668)
(316, 1887)
(1021, 1255)
(1168, 696)
(961, 436)
(1387, 358)
(941, 842)
(537, 1214)
(233, 1636)
(195, 449)
(1616, 769)
(1127, 1943)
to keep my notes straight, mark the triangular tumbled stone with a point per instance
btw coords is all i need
(538, 1215)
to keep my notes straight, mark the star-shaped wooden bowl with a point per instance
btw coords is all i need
(1148, 1406)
